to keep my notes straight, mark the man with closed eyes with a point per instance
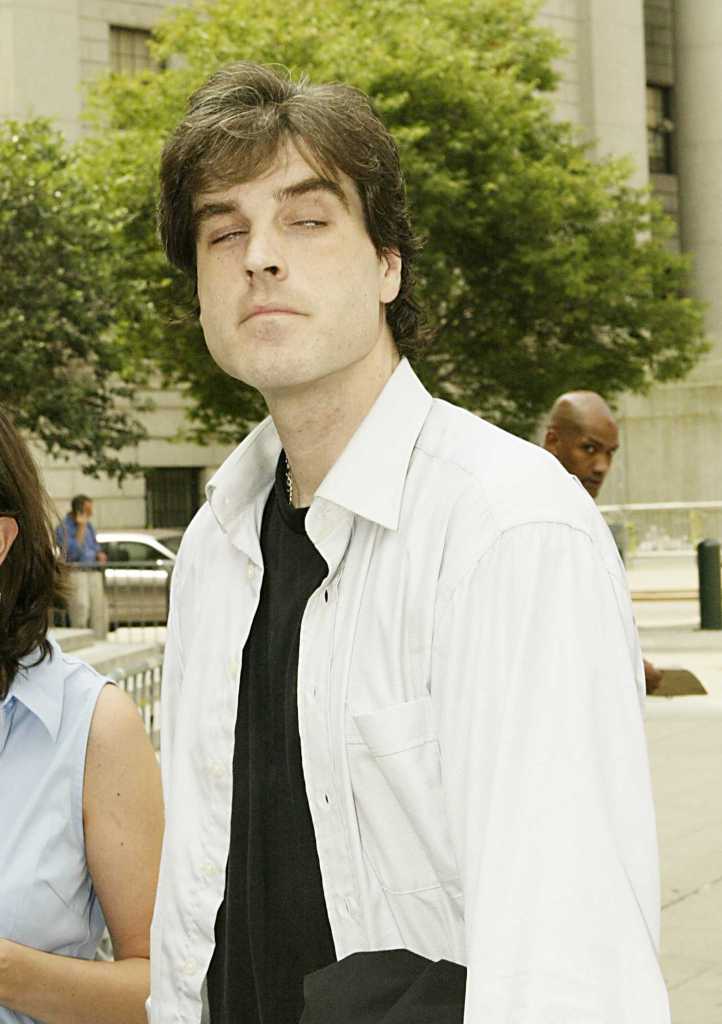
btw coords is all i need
(380, 727)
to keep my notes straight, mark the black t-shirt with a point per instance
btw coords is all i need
(272, 927)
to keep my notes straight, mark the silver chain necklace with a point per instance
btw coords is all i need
(289, 479)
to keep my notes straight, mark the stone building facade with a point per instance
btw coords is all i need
(641, 78)
(644, 78)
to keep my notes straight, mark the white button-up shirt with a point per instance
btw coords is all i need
(469, 703)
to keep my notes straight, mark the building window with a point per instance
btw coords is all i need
(659, 129)
(129, 51)
(172, 496)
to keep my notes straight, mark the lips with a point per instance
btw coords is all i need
(271, 311)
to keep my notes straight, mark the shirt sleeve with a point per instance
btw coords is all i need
(172, 681)
(170, 699)
(536, 681)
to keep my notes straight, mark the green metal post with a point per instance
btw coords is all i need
(710, 600)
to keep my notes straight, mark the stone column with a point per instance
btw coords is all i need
(698, 125)
(612, 80)
(40, 61)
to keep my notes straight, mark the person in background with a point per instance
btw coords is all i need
(76, 538)
(76, 535)
(81, 819)
(583, 434)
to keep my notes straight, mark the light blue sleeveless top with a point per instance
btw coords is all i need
(46, 895)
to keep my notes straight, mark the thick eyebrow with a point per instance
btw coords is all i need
(221, 207)
(213, 209)
(315, 184)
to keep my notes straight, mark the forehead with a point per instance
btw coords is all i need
(599, 428)
(289, 166)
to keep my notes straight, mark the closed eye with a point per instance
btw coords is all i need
(237, 233)
(308, 223)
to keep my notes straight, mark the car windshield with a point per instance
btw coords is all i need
(172, 541)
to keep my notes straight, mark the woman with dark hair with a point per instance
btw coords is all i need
(81, 810)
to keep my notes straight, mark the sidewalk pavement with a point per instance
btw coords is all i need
(685, 748)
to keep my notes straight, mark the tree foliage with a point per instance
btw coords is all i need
(61, 361)
(543, 270)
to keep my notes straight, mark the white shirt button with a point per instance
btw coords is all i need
(216, 769)
(189, 967)
(208, 869)
(251, 571)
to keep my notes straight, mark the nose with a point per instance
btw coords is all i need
(601, 464)
(263, 256)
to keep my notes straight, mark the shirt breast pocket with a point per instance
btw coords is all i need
(395, 767)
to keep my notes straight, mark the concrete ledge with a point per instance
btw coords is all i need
(72, 639)
(689, 707)
(109, 658)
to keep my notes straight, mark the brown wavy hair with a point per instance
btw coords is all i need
(32, 577)
(233, 128)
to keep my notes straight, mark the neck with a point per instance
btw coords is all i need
(315, 422)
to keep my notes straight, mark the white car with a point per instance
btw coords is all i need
(137, 574)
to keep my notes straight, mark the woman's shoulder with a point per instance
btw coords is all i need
(116, 721)
(77, 704)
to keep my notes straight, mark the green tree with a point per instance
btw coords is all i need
(543, 270)
(61, 359)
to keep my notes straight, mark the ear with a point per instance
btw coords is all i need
(390, 270)
(8, 533)
(551, 440)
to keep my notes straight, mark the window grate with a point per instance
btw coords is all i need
(129, 50)
(172, 496)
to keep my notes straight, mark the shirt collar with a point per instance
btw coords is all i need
(368, 478)
(247, 471)
(39, 688)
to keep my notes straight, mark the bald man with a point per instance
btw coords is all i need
(583, 435)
